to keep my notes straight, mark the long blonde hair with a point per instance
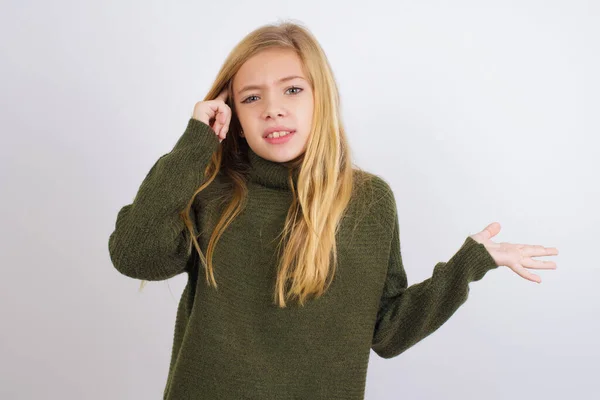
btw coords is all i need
(325, 181)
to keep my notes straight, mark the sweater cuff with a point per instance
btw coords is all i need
(475, 260)
(199, 134)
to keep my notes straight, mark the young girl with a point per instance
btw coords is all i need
(292, 254)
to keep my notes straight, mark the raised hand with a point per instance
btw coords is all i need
(516, 256)
(214, 113)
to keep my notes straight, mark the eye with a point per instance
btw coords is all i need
(245, 101)
(296, 87)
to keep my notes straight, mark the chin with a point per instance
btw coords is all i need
(283, 155)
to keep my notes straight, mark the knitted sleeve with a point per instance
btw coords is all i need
(408, 314)
(150, 240)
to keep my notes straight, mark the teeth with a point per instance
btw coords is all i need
(277, 134)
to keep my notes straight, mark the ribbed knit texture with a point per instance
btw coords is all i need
(233, 343)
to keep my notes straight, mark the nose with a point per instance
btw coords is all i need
(273, 109)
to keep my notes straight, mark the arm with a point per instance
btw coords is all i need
(150, 240)
(409, 314)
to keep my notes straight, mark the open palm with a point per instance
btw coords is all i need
(516, 256)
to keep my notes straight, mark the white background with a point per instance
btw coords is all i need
(473, 111)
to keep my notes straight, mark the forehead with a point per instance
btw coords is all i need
(266, 67)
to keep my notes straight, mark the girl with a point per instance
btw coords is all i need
(292, 254)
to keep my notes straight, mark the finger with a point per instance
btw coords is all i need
(225, 130)
(526, 274)
(538, 264)
(216, 110)
(222, 123)
(217, 126)
(551, 251)
(538, 251)
(226, 120)
(490, 231)
(222, 96)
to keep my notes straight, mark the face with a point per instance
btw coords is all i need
(270, 90)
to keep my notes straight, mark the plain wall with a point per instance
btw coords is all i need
(473, 111)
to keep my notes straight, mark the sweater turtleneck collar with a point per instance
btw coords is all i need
(269, 173)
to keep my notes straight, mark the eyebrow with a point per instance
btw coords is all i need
(252, 87)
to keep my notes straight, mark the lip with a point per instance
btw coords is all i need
(277, 128)
(281, 139)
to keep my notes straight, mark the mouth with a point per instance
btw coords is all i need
(279, 136)
(279, 133)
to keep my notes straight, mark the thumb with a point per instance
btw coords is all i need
(488, 232)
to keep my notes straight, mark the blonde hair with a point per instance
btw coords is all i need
(326, 178)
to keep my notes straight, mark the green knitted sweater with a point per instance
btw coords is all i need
(234, 343)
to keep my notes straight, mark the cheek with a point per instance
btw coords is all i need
(308, 112)
(247, 121)
(242, 116)
(248, 113)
